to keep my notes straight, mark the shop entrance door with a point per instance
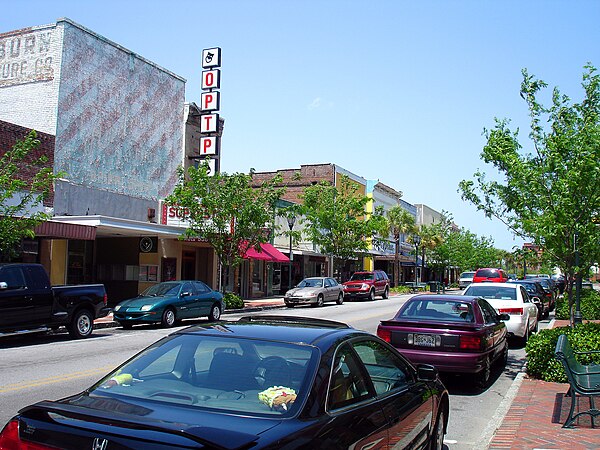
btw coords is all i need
(188, 265)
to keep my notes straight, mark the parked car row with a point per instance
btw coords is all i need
(317, 291)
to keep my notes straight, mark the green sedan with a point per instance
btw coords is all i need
(169, 302)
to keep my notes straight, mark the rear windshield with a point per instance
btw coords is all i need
(437, 310)
(492, 292)
(239, 376)
(360, 276)
(467, 275)
(489, 273)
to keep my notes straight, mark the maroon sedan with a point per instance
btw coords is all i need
(455, 333)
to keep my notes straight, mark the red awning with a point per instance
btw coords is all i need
(267, 253)
(61, 230)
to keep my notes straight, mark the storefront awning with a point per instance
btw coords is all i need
(266, 253)
(60, 230)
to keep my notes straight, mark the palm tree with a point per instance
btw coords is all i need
(399, 222)
(431, 237)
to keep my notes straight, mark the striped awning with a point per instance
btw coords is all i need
(61, 230)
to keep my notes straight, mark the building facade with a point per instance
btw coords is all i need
(119, 123)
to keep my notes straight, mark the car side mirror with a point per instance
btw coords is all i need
(426, 372)
(503, 316)
(3, 285)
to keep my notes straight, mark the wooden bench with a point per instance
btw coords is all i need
(415, 287)
(583, 379)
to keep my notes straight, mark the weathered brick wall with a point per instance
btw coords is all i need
(120, 118)
(10, 134)
(295, 180)
(30, 61)
(117, 117)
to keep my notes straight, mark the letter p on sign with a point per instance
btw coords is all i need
(208, 145)
(210, 101)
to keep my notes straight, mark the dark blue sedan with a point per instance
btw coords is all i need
(170, 301)
(264, 382)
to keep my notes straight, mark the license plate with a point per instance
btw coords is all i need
(424, 340)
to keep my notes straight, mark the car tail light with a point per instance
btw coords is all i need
(105, 299)
(386, 335)
(470, 342)
(10, 439)
(513, 311)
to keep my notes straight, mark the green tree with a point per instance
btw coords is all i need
(335, 220)
(226, 211)
(20, 195)
(399, 222)
(551, 195)
(432, 237)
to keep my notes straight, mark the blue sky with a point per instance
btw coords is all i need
(391, 90)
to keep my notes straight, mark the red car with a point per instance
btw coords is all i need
(452, 332)
(367, 285)
(490, 275)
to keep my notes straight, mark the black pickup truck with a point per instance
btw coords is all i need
(28, 303)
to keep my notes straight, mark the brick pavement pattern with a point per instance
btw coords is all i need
(535, 421)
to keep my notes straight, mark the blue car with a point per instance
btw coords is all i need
(169, 302)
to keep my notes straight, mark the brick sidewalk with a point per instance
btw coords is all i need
(536, 416)
(535, 420)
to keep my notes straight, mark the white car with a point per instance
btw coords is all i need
(511, 299)
(465, 279)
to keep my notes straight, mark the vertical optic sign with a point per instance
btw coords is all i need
(210, 103)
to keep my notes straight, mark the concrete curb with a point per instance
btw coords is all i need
(115, 324)
(496, 421)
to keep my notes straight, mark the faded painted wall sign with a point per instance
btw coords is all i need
(27, 57)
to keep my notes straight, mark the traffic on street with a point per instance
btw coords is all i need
(48, 367)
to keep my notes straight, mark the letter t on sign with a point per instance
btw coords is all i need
(209, 123)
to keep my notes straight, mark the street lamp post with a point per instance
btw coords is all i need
(577, 317)
(290, 220)
(416, 241)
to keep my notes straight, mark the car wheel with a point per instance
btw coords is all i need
(340, 299)
(504, 357)
(386, 293)
(82, 324)
(289, 305)
(168, 318)
(525, 337)
(126, 325)
(372, 294)
(483, 377)
(215, 313)
(436, 440)
(320, 301)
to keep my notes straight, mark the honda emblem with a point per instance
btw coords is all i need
(99, 444)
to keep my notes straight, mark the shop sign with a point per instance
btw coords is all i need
(210, 102)
(174, 215)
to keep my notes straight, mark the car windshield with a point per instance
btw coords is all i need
(442, 310)
(233, 375)
(311, 283)
(162, 289)
(467, 275)
(492, 292)
(489, 273)
(361, 276)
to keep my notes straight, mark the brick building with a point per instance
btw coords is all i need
(118, 122)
